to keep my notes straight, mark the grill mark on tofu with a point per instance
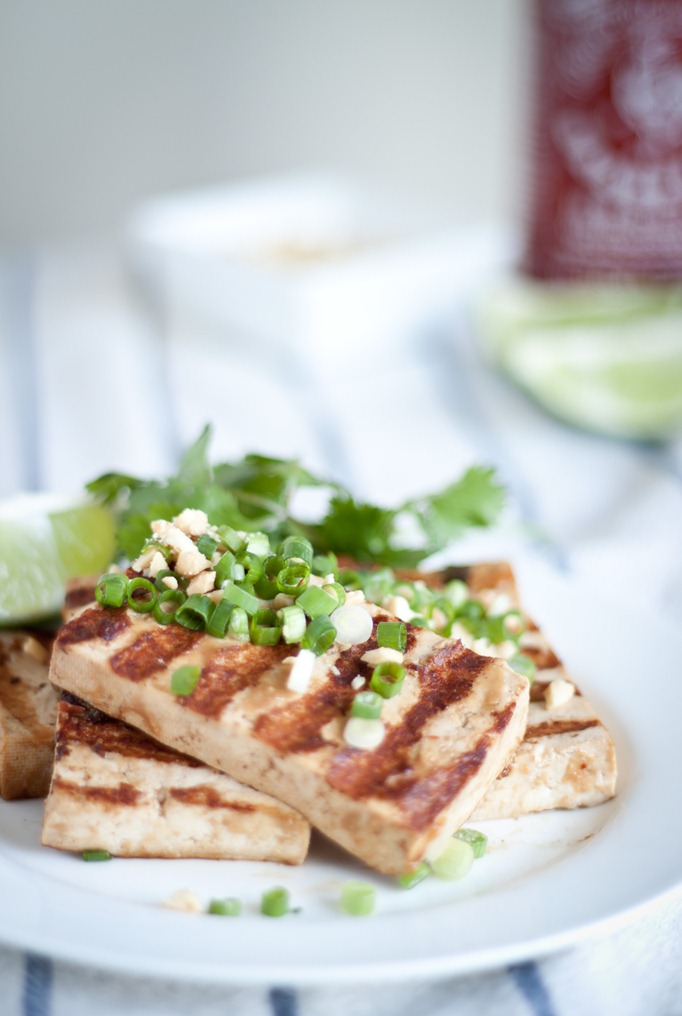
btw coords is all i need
(123, 794)
(549, 727)
(297, 727)
(80, 724)
(208, 797)
(446, 678)
(94, 624)
(153, 651)
(235, 667)
(79, 595)
(543, 657)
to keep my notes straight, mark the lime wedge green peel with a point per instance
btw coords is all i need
(44, 541)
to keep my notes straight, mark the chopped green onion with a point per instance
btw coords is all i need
(456, 591)
(252, 566)
(470, 610)
(392, 635)
(225, 569)
(231, 539)
(320, 635)
(185, 679)
(379, 584)
(316, 602)
(387, 679)
(175, 596)
(293, 623)
(259, 544)
(293, 578)
(367, 704)
(275, 902)
(96, 855)
(412, 878)
(523, 664)
(326, 564)
(455, 861)
(219, 619)
(207, 546)
(297, 547)
(227, 907)
(337, 590)
(419, 622)
(195, 612)
(358, 898)
(476, 840)
(166, 573)
(238, 625)
(350, 579)
(160, 548)
(241, 597)
(145, 603)
(111, 590)
(265, 628)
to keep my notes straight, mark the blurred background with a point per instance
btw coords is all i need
(104, 104)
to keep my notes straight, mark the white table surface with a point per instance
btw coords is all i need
(92, 377)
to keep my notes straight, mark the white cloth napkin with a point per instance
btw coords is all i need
(92, 380)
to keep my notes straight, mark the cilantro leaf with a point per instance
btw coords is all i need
(257, 493)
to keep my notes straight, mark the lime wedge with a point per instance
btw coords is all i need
(45, 540)
(607, 359)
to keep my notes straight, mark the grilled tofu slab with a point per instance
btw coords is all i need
(114, 788)
(567, 758)
(450, 731)
(28, 706)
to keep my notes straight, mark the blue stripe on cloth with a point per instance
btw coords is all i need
(528, 980)
(283, 1002)
(37, 992)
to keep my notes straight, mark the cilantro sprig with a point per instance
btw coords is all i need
(257, 493)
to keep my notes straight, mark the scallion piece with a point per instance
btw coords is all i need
(455, 861)
(319, 635)
(379, 584)
(241, 598)
(298, 548)
(456, 591)
(207, 546)
(367, 704)
(185, 679)
(238, 625)
(523, 664)
(326, 564)
(358, 898)
(227, 907)
(316, 602)
(337, 590)
(350, 579)
(418, 621)
(166, 573)
(252, 565)
(293, 578)
(412, 878)
(171, 596)
(477, 841)
(219, 619)
(231, 539)
(225, 569)
(258, 544)
(96, 855)
(293, 623)
(141, 595)
(265, 628)
(275, 902)
(387, 679)
(112, 590)
(195, 612)
(392, 635)
(470, 610)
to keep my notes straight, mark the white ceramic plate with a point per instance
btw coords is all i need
(546, 881)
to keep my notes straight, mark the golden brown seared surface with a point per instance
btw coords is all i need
(116, 789)
(28, 707)
(449, 731)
